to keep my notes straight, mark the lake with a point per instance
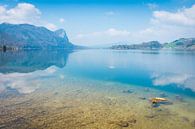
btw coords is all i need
(97, 88)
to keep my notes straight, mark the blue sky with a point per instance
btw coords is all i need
(98, 22)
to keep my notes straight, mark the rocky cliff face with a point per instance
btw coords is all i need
(30, 36)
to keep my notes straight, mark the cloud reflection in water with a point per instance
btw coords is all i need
(25, 83)
(181, 80)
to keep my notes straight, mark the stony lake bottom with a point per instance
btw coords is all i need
(97, 89)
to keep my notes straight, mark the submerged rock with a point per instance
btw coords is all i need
(193, 123)
(56, 93)
(150, 116)
(179, 98)
(146, 89)
(123, 124)
(133, 121)
(142, 98)
(185, 119)
(128, 91)
(163, 95)
(9, 93)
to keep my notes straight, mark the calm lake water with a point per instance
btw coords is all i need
(97, 89)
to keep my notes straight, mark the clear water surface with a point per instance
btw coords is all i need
(97, 89)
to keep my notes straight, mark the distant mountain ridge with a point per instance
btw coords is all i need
(180, 44)
(28, 36)
(144, 45)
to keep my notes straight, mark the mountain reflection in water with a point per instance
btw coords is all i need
(29, 61)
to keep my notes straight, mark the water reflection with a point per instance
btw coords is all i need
(48, 89)
(23, 72)
(173, 72)
(180, 80)
(138, 68)
(25, 83)
(29, 61)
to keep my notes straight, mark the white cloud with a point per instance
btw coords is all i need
(50, 26)
(24, 13)
(61, 20)
(168, 26)
(182, 17)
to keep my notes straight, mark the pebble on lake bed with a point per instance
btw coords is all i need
(125, 123)
(193, 123)
(150, 116)
(128, 91)
(146, 89)
(142, 98)
(185, 119)
(163, 95)
(179, 98)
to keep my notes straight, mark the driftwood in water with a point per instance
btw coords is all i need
(158, 100)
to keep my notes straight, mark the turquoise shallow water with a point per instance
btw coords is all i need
(42, 87)
(171, 71)
(165, 70)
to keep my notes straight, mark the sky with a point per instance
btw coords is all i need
(100, 22)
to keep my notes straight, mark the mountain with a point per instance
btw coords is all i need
(145, 45)
(61, 33)
(32, 37)
(181, 44)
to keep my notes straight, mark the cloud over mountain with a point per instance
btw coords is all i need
(167, 26)
(183, 17)
(24, 13)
